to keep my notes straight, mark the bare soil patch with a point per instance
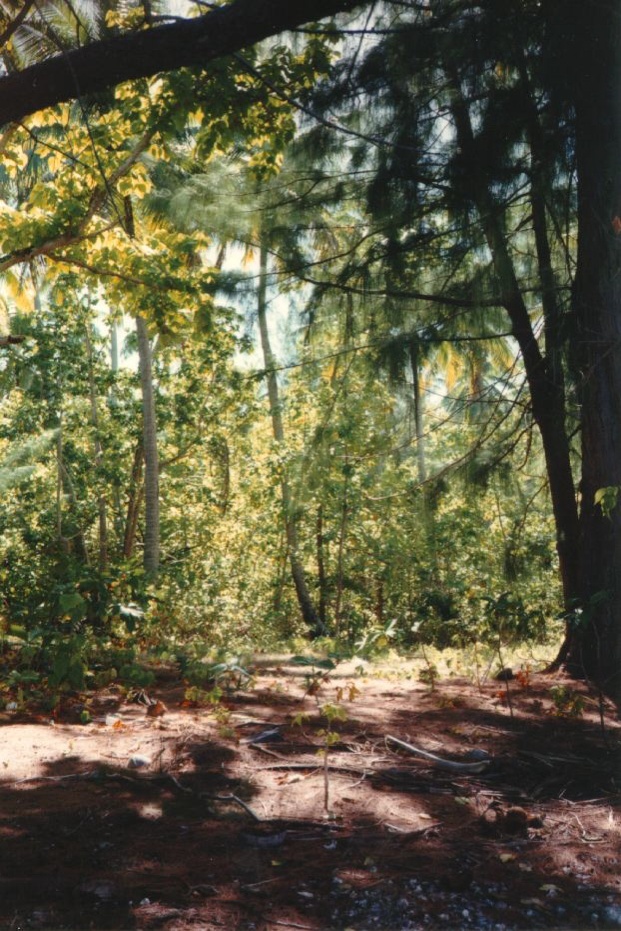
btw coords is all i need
(199, 820)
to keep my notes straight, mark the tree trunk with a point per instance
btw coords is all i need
(98, 454)
(321, 569)
(547, 396)
(418, 413)
(151, 461)
(134, 501)
(112, 403)
(340, 559)
(297, 571)
(594, 57)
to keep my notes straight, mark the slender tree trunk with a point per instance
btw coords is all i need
(101, 498)
(134, 502)
(321, 570)
(418, 413)
(112, 403)
(151, 460)
(340, 559)
(426, 511)
(297, 570)
(594, 57)
(114, 356)
(59, 481)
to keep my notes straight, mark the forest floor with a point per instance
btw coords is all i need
(177, 816)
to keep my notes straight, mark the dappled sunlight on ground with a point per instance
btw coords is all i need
(231, 816)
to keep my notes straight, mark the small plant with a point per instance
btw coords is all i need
(376, 640)
(195, 697)
(349, 692)
(136, 675)
(522, 677)
(567, 702)
(429, 675)
(318, 671)
(332, 714)
(229, 674)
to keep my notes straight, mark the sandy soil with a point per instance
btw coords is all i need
(228, 818)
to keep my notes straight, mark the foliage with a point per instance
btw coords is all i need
(567, 702)
(417, 485)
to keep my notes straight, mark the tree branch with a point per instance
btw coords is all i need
(191, 42)
(77, 233)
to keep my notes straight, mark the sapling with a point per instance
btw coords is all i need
(332, 713)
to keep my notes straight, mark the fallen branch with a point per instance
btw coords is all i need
(236, 800)
(479, 767)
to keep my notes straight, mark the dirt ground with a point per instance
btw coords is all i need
(217, 818)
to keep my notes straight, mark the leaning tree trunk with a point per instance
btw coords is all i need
(547, 395)
(307, 608)
(593, 54)
(151, 559)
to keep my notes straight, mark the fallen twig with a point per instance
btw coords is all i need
(289, 924)
(232, 798)
(479, 767)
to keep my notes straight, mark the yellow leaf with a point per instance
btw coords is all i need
(55, 162)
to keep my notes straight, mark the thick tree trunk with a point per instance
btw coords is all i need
(297, 570)
(151, 460)
(594, 55)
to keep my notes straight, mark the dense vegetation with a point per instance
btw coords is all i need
(290, 345)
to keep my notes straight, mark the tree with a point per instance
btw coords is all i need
(590, 50)
(474, 145)
(297, 570)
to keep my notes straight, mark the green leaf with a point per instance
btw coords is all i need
(607, 499)
(72, 603)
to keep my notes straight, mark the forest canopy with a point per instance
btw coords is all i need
(309, 327)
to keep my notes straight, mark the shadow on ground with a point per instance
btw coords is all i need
(224, 832)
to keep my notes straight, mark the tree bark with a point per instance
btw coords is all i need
(593, 53)
(151, 460)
